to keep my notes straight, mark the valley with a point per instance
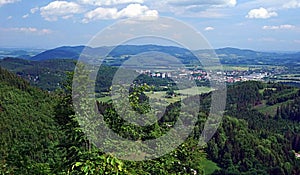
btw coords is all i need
(259, 133)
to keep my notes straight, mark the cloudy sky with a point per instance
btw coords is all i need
(269, 25)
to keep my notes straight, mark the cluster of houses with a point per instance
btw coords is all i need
(156, 74)
(227, 76)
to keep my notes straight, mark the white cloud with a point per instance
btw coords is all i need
(56, 9)
(193, 8)
(261, 13)
(3, 2)
(101, 13)
(33, 10)
(209, 29)
(9, 17)
(292, 4)
(25, 16)
(109, 2)
(45, 31)
(131, 11)
(136, 10)
(210, 13)
(213, 3)
(285, 26)
(32, 30)
(67, 17)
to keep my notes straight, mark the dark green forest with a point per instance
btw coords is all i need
(40, 133)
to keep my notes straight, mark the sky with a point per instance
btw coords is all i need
(263, 25)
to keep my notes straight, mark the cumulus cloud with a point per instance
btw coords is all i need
(101, 13)
(131, 11)
(56, 9)
(136, 10)
(261, 13)
(285, 26)
(3, 2)
(292, 4)
(29, 30)
(209, 29)
(109, 2)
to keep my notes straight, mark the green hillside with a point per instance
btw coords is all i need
(29, 134)
(48, 75)
(40, 133)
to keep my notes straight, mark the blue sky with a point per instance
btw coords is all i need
(269, 25)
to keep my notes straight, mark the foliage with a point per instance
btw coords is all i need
(28, 132)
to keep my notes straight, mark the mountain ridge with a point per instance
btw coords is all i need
(227, 55)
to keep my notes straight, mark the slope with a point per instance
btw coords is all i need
(28, 132)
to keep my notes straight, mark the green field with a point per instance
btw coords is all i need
(194, 91)
(182, 94)
(161, 95)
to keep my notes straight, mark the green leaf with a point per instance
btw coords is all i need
(77, 164)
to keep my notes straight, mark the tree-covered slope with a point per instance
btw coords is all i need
(48, 75)
(251, 141)
(28, 132)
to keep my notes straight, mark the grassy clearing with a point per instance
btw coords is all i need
(270, 110)
(161, 95)
(209, 166)
(183, 94)
(194, 91)
(261, 91)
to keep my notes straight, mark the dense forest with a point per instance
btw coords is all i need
(40, 133)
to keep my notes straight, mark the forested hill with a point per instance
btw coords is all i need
(260, 134)
(47, 75)
(28, 131)
(228, 56)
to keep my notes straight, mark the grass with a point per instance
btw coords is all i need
(161, 95)
(209, 166)
(194, 91)
(104, 99)
(183, 93)
(270, 110)
(261, 91)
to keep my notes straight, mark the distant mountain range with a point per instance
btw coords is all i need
(230, 56)
(19, 53)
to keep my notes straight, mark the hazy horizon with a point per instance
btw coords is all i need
(233, 47)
